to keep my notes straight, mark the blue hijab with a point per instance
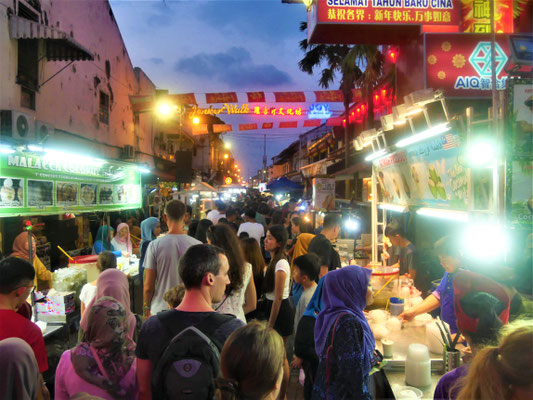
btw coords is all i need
(344, 292)
(147, 229)
(102, 241)
(316, 304)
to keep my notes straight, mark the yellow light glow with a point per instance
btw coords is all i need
(236, 165)
(165, 109)
(196, 120)
(227, 145)
(226, 156)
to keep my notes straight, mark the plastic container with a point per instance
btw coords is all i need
(396, 306)
(89, 263)
(407, 393)
(418, 366)
(380, 276)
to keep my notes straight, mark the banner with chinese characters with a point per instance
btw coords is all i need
(429, 173)
(475, 16)
(460, 64)
(423, 12)
(36, 184)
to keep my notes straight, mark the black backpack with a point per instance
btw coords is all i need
(189, 364)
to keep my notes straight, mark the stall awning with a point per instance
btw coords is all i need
(59, 45)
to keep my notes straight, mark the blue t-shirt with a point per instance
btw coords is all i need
(444, 293)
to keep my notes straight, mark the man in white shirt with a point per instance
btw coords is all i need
(253, 229)
(162, 258)
(220, 212)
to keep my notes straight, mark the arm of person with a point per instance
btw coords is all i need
(82, 308)
(60, 388)
(148, 292)
(279, 286)
(144, 377)
(323, 270)
(45, 394)
(250, 297)
(429, 304)
(41, 272)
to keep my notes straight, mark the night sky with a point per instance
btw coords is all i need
(219, 46)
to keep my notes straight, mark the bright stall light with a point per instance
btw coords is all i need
(279, 197)
(393, 207)
(352, 224)
(196, 120)
(35, 148)
(143, 170)
(377, 154)
(485, 241)
(54, 155)
(433, 131)
(481, 154)
(461, 216)
(226, 156)
(6, 149)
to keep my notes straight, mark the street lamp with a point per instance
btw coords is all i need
(226, 156)
(196, 120)
(227, 145)
(165, 109)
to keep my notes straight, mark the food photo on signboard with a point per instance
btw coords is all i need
(40, 193)
(66, 194)
(88, 194)
(11, 192)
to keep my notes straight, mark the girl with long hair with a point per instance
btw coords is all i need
(240, 297)
(201, 230)
(251, 364)
(253, 255)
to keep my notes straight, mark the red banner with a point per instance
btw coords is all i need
(228, 97)
(312, 122)
(329, 96)
(141, 103)
(335, 121)
(392, 12)
(460, 64)
(475, 16)
(267, 125)
(288, 124)
(199, 129)
(219, 128)
(247, 127)
(185, 98)
(256, 97)
(289, 97)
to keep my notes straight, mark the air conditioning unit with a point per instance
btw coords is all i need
(42, 131)
(17, 125)
(128, 152)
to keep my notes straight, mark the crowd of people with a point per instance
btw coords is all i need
(233, 301)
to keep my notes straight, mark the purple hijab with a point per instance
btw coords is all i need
(344, 291)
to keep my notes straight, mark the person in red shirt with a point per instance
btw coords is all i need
(16, 283)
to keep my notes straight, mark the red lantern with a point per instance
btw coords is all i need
(392, 54)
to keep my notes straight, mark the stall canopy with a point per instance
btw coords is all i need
(283, 185)
(37, 184)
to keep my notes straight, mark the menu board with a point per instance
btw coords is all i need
(32, 184)
(431, 173)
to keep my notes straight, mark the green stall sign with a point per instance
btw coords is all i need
(32, 184)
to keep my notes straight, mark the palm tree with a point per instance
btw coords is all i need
(359, 66)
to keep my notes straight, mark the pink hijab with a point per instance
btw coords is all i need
(20, 246)
(112, 283)
(124, 241)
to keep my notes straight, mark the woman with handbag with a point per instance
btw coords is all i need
(344, 342)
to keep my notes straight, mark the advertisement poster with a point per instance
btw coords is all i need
(323, 192)
(521, 195)
(521, 118)
(460, 64)
(430, 173)
(475, 16)
(38, 184)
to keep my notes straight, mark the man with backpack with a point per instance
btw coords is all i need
(178, 351)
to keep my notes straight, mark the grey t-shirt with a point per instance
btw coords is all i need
(302, 305)
(163, 256)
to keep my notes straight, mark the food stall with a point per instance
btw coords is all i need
(49, 191)
(200, 196)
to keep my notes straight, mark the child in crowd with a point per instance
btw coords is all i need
(174, 296)
(106, 260)
(305, 273)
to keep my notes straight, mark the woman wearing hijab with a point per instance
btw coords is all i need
(112, 283)
(304, 340)
(150, 230)
(103, 240)
(122, 241)
(343, 339)
(20, 379)
(21, 250)
(104, 363)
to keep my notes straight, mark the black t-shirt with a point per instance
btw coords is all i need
(406, 260)
(321, 246)
(154, 337)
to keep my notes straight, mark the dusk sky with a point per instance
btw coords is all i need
(219, 46)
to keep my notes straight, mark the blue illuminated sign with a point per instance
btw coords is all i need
(319, 111)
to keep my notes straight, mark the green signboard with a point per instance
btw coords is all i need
(53, 183)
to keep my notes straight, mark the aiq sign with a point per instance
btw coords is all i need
(460, 64)
(319, 111)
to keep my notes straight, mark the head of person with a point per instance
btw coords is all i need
(276, 243)
(150, 229)
(249, 214)
(123, 231)
(20, 371)
(201, 230)
(174, 296)
(503, 371)
(175, 211)
(263, 209)
(277, 218)
(21, 246)
(296, 223)
(447, 250)
(205, 267)
(16, 281)
(251, 363)
(395, 233)
(221, 206)
(306, 269)
(106, 260)
(231, 215)
(244, 235)
(253, 255)
(221, 235)
(188, 215)
(481, 307)
(292, 204)
(332, 225)
(193, 226)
